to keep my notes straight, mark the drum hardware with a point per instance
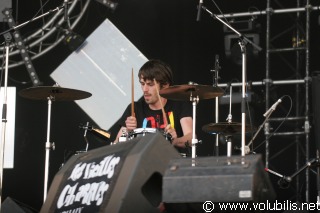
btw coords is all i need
(225, 128)
(215, 79)
(51, 93)
(104, 134)
(191, 92)
(243, 41)
(138, 132)
(124, 135)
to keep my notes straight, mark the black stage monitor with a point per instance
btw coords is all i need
(188, 184)
(126, 177)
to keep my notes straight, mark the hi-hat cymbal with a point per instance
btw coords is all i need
(184, 92)
(224, 128)
(55, 93)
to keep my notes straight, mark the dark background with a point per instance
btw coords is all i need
(166, 30)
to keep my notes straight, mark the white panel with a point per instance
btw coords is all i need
(9, 126)
(103, 67)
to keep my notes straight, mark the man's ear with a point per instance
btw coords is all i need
(165, 86)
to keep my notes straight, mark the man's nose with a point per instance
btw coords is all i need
(145, 88)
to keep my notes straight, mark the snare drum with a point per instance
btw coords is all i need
(140, 132)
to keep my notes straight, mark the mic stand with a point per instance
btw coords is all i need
(31, 20)
(48, 145)
(8, 39)
(257, 132)
(215, 84)
(286, 180)
(242, 43)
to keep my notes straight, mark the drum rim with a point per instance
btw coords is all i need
(145, 130)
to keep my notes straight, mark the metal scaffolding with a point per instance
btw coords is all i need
(300, 46)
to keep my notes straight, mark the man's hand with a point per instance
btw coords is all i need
(171, 131)
(131, 123)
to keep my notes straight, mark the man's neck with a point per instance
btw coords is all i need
(157, 105)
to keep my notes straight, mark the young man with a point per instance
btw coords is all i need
(155, 75)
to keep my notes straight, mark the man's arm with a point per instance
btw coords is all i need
(186, 124)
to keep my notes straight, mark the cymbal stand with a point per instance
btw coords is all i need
(229, 119)
(194, 141)
(215, 84)
(8, 38)
(48, 147)
(242, 42)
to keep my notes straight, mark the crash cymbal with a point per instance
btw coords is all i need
(224, 128)
(56, 93)
(183, 92)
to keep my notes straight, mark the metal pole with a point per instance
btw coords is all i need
(307, 77)
(4, 115)
(295, 43)
(266, 129)
(265, 12)
(48, 147)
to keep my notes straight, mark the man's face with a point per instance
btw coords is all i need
(149, 91)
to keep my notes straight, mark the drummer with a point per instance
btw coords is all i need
(155, 75)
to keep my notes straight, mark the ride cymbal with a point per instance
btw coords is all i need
(54, 92)
(184, 92)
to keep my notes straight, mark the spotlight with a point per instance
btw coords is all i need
(73, 40)
(110, 4)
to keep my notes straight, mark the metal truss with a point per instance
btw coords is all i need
(300, 44)
(50, 32)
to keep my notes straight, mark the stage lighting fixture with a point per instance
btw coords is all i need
(110, 4)
(249, 29)
(73, 40)
(232, 47)
(4, 5)
(22, 47)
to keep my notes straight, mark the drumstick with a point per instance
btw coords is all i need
(132, 94)
(163, 112)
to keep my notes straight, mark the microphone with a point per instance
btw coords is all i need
(284, 181)
(199, 10)
(272, 108)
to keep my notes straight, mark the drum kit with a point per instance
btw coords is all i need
(195, 92)
(189, 92)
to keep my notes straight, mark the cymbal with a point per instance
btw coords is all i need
(183, 92)
(224, 128)
(56, 93)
